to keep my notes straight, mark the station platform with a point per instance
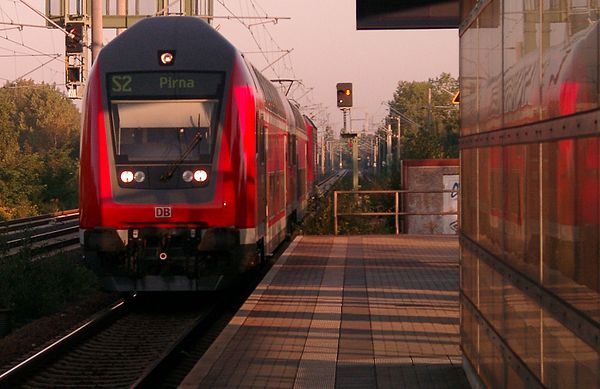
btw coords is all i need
(346, 312)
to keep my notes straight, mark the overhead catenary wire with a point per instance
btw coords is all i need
(12, 19)
(261, 34)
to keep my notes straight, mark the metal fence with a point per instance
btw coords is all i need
(399, 196)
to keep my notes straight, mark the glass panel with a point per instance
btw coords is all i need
(570, 61)
(469, 332)
(491, 198)
(163, 130)
(514, 380)
(490, 68)
(521, 213)
(469, 193)
(587, 215)
(522, 327)
(571, 218)
(468, 82)
(469, 275)
(491, 362)
(572, 232)
(558, 215)
(568, 361)
(521, 62)
(531, 255)
(491, 291)
(514, 218)
(484, 199)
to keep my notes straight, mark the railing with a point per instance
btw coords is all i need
(397, 213)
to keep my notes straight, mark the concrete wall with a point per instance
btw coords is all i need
(428, 175)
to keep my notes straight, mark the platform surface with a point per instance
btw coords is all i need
(346, 312)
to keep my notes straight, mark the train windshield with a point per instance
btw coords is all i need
(162, 131)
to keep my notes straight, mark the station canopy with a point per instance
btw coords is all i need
(406, 14)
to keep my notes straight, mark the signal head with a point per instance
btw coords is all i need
(344, 94)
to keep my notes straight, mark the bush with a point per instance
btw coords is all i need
(32, 289)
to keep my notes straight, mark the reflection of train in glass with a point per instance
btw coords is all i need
(571, 207)
(193, 165)
(530, 187)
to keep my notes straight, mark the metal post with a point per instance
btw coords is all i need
(331, 155)
(397, 223)
(375, 152)
(121, 11)
(388, 155)
(323, 155)
(96, 28)
(355, 163)
(335, 222)
(398, 158)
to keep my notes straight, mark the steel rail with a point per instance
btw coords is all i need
(27, 221)
(86, 330)
(42, 236)
(167, 359)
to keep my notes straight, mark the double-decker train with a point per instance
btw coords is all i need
(193, 165)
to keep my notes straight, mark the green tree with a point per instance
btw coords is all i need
(44, 116)
(39, 141)
(430, 123)
(59, 180)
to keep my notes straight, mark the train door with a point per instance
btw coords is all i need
(261, 176)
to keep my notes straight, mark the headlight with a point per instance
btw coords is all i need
(139, 176)
(127, 176)
(187, 176)
(200, 175)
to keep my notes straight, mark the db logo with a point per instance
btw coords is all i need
(162, 212)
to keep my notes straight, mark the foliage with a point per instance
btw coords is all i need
(32, 289)
(59, 179)
(367, 203)
(39, 142)
(319, 219)
(429, 128)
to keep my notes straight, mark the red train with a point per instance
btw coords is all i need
(193, 165)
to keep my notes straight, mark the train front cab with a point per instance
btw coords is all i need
(146, 224)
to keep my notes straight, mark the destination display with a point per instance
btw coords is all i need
(165, 84)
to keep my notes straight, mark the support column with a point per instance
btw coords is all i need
(96, 28)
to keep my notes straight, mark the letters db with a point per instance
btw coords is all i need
(162, 212)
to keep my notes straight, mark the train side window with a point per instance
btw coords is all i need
(260, 137)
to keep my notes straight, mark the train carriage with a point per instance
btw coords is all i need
(184, 162)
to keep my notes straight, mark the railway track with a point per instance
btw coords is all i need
(119, 348)
(149, 341)
(325, 185)
(41, 234)
(133, 345)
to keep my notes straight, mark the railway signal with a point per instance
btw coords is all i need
(344, 94)
(74, 39)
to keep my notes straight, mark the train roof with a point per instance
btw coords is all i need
(196, 46)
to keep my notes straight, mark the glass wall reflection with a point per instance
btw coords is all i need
(531, 207)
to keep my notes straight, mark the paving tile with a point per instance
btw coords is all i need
(346, 312)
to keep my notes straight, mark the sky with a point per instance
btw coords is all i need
(324, 48)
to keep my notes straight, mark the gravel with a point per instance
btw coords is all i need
(33, 337)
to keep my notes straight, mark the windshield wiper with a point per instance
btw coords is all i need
(173, 166)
